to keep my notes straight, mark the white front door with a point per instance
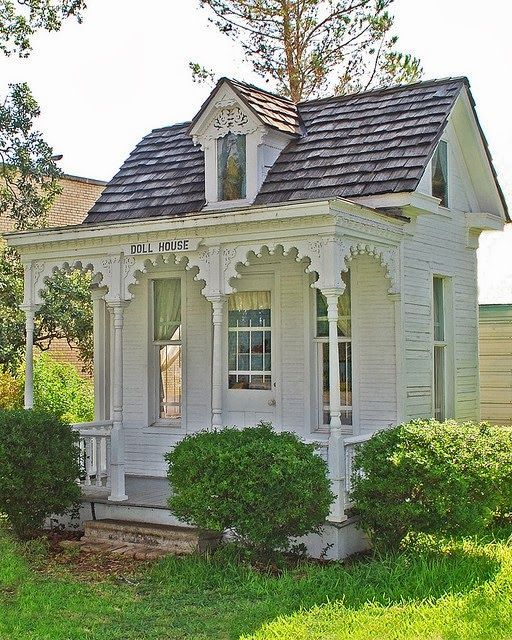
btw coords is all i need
(251, 372)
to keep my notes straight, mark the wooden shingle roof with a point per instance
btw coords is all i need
(275, 111)
(362, 144)
(164, 175)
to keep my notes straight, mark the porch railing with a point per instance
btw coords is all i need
(95, 455)
(338, 453)
(349, 451)
(321, 447)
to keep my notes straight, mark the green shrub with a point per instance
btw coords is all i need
(264, 485)
(38, 468)
(11, 391)
(431, 477)
(59, 388)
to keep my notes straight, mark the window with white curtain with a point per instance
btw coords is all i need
(168, 348)
(344, 351)
(249, 340)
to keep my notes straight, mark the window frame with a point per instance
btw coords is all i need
(446, 204)
(218, 199)
(264, 330)
(318, 342)
(443, 347)
(154, 362)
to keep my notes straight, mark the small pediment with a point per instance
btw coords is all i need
(224, 112)
(461, 163)
(270, 110)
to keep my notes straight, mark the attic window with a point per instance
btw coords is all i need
(440, 173)
(231, 167)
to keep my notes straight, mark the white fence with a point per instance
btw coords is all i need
(95, 454)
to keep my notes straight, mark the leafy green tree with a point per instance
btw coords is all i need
(21, 19)
(29, 183)
(66, 313)
(29, 175)
(309, 47)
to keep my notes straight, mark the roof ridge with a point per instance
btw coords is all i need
(170, 126)
(393, 89)
(255, 87)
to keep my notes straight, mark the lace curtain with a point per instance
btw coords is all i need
(249, 301)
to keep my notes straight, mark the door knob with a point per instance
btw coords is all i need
(272, 402)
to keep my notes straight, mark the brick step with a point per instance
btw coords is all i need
(165, 538)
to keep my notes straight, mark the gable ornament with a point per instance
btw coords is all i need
(231, 120)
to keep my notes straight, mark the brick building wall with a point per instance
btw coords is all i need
(77, 197)
(70, 207)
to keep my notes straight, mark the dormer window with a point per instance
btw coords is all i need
(231, 167)
(440, 173)
(242, 130)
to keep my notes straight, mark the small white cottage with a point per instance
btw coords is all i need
(311, 265)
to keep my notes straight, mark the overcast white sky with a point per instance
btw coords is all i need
(105, 83)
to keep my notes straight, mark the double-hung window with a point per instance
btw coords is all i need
(440, 349)
(249, 340)
(167, 348)
(344, 351)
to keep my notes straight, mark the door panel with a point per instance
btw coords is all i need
(250, 371)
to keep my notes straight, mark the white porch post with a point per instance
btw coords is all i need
(332, 296)
(217, 303)
(336, 458)
(29, 306)
(30, 311)
(118, 492)
(100, 343)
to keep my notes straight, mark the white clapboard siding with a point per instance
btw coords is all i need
(374, 345)
(495, 345)
(294, 296)
(439, 246)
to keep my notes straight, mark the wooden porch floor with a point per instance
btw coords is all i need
(142, 491)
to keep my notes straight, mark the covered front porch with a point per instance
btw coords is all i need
(290, 315)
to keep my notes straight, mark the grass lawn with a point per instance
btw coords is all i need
(453, 591)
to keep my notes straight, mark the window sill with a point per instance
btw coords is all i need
(168, 426)
(227, 204)
(445, 212)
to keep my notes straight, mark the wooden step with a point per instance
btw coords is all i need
(164, 538)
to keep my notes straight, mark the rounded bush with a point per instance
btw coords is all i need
(431, 477)
(39, 467)
(264, 485)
